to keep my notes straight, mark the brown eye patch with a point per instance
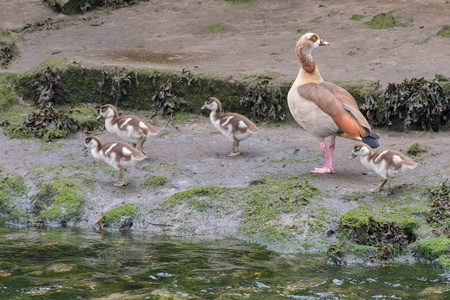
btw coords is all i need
(88, 140)
(314, 38)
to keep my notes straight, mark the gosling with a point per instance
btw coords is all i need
(128, 128)
(118, 155)
(386, 163)
(234, 126)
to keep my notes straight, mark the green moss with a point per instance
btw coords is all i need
(11, 188)
(361, 89)
(434, 248)
(390, 225)
(384, 20)
(415, 149)
(85, 115)
(8, 49)
(354, 196)
(52, 146)
(15, 115)
(444, 261)
(19, 216)
(265, 207)
(7, 96)
(215, 28)
(198, 199)
(406, 216)
(59, 201)
(115, 215)
(301, 31)
(444, 31)
(356, 17)
(155, 182)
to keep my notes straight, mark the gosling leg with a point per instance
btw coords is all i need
(141, 146)
(123, 177)
(236, 149)
(381, 186)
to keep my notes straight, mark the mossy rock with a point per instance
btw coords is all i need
(59, 201)
(19, 216)
(11, 188)
(435, 249)
(390, 224)
(284, 213)
(198, 199)
(121, 216)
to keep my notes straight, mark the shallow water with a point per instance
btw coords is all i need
(73, 264)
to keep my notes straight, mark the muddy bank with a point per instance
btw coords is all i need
(190, 187)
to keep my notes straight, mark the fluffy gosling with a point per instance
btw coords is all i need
(128, 128)
(118, 155)
(234, 126)
(386, 163)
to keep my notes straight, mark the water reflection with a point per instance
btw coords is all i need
(74, 264)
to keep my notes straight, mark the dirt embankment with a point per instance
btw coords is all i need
(229, 38)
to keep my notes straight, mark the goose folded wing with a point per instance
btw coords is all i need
(339, 105)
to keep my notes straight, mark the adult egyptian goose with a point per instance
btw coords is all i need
(128, 128)
(234, 126)
(386, 163)
(118, 155)
(323, 108)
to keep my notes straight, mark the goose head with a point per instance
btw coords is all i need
(212, 104)
(92, 142)
(310, 41)
(360, 150)
(107, 111)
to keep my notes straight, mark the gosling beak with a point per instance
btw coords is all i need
(99, 116)
(203, 107)
(352, 156)
(323, 43)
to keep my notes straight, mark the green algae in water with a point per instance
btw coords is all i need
(74, 264)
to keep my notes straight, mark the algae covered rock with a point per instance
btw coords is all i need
(59, 202)
(11, 188)
(121, 217)
(435, 249)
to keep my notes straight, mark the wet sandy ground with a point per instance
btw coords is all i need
(195, 155)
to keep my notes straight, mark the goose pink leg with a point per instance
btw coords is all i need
(328, 160)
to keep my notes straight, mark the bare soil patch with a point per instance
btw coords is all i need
(260, 37)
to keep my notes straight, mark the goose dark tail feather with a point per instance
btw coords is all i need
(371, 140)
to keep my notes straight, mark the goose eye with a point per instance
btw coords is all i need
(314, 38)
